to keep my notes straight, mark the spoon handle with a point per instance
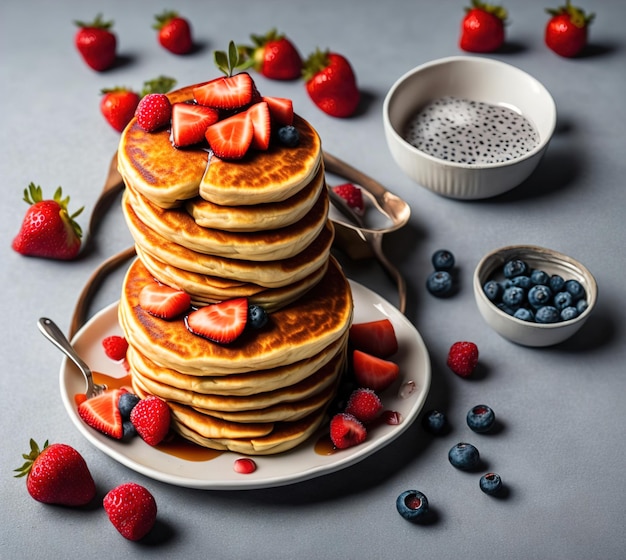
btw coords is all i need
(334, 165)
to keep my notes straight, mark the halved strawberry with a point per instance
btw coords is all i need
(259, 114)
(231, 137)
(189, 123)
(163, 301)
(227, 92)
(281, 109)
(374, 337)
(346, 431)
(102, 413)
(220, 322)
(373, 372)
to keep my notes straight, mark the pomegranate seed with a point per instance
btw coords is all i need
(245, 466)
(392, 417)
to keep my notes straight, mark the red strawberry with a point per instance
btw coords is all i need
(352, 195)
(346, 431)
(220, 322)
(151, 417)
(374, 337)
(118, 106)
(259, 114)
(482, 28)
(132, 509)
(364, 404)
(48, 230)
(163, 301)
(281, 109)
(102, 413)
(331, 83)
(153, 112)
(57, 474)
(96, 43)
(115, 347)
(566, 31)
(228, 92)
(463, 358)
(230, 138)
(275, 56)
(372, 372)
(190, 122)
(174, 32)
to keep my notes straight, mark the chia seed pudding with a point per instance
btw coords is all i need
(470, 132)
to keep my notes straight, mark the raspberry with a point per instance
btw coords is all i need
(463, 358)
(364, 404)
(352, 195)
(115, 347)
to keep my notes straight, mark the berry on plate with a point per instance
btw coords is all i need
(118, 106)
(57, 474)
(96, 43)
(463, 358)
(352, 195)
(374, 337)
(174, 32)
(482, 28)
(154, 112)
(190, 122)
(464, 456)
(115, 347)
(566, 30)
(151, 417)
(221, 322)
(48, 229)
(132, 510)
(103, 414)
(244, 465)
(372, 372)
(274, 56)
(346, 431)
(126, 403)
(412, 505)
(163, 301)
(480, 418)
(364, 405)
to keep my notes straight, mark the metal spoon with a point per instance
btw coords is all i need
(54, 334)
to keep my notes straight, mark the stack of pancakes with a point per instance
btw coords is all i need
(255, 228)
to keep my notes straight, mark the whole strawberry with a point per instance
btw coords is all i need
(275, 56)
(151, 417)
(463, 358)
(96, 43)
(566, 31)
(331, 83)
(154, 112)
(482, 28)
(118, 106)
(48, 230)
(131, 509)
(174, 32)
(57, 474)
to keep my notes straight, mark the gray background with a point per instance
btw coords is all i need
(561, 448)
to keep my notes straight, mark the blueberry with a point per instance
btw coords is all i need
(412, 504)
(556, 283)
(289, 136)
(128, 430)
(493, 290)
(569, 313)
(581, 305)
(521, 281)
(506, 309)
(443, 260)
(490, 483)
(575, 288)
(480, 418)
(547, 314)
(464, 456)
(539, 295)
(562, 300)
(515, 267)
(439, 283)
(126, 403)
(257, 316)
(539, 277)
(434, 422)
(524, 314)
(514, 297)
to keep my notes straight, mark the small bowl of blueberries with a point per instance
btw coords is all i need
(468, 127)
(533, 296)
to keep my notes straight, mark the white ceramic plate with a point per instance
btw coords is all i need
(300, 464)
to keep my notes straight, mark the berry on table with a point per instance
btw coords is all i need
(463, 358)
(480, 418)
(566, 30)
(464, 456)
(434, 422)
(412, 505)
(132, 510)
(482, 28)
(443, 259)
(490, 483)
(96, 43)
(439, 283)
(174, 32)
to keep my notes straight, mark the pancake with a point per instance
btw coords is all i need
(261, 216)
(296, 332)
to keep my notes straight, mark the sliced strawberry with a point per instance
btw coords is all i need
(228, 92)
(372, 372)
(352, 195)
(189, 123)
(163, 301)
(259, 113)
(281, 109)
(346, 431)
(102, 413)
(374, 337)
(220, 322)
(231, 137)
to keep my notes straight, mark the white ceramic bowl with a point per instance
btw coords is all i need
(552, 262)
(476, 79)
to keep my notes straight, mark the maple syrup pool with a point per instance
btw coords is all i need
(470, 132)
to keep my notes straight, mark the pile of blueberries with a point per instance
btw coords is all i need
(534, 295)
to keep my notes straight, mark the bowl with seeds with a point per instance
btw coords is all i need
(468, 127)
